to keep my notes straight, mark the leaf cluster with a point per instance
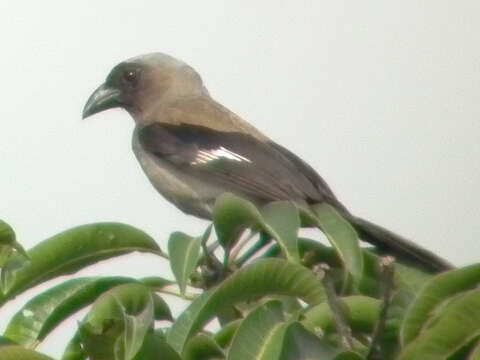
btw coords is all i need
(272, 294)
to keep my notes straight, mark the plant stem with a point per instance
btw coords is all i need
(336, 305)
(387, 269)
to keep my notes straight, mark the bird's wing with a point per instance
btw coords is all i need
(235, 161)
(320, 184)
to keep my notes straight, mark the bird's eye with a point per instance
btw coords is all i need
(130, 76)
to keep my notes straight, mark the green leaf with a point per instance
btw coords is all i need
(410, 278)
(348, 355)
(97, 344)
(17, 352)
(231, 216)
(436, 291)
(260, 336)
(155, 282)
(389, 342)
(161, 310)
(74, 350)
(228, 315)
(184, 254)
(343, 238)
(406, 277)
(264, 334)
(465, 352)
(260, 278)
(118, 322)
(9, 247)
(136, 327)
(13, 263)
(153, 345)
(224, 336)
(291, 305)
(6, 341)
(74, 249)
(455, 327)
(156, 347)
(475, 353)
(361, 314)
(8, 240)
(282, 222)
(44, 312)
(202, 347)
(314, 252)
(300, 344)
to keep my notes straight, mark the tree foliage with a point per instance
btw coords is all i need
(275, 295)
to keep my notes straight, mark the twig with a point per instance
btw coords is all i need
(335, 304)
(387, 270)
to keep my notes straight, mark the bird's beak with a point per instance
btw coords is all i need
(102, 99)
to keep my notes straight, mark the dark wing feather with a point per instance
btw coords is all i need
(235, 161)
(313, 176)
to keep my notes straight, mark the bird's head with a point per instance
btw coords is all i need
(145, 82)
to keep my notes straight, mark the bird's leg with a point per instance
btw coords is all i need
(213, 271)
(238, 248)
(263, 240)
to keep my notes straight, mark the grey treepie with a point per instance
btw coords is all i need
(193, 149)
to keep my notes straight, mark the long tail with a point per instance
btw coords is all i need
(398, 246)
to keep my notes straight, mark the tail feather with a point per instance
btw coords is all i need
(398, 246)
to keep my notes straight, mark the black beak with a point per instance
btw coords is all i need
(102, 99)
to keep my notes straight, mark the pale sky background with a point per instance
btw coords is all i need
(382, 98)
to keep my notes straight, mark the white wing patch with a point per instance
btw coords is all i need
(204, 156)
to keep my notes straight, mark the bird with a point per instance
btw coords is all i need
(193, 150)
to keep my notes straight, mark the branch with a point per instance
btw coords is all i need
(336, 305)
(387, 269)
